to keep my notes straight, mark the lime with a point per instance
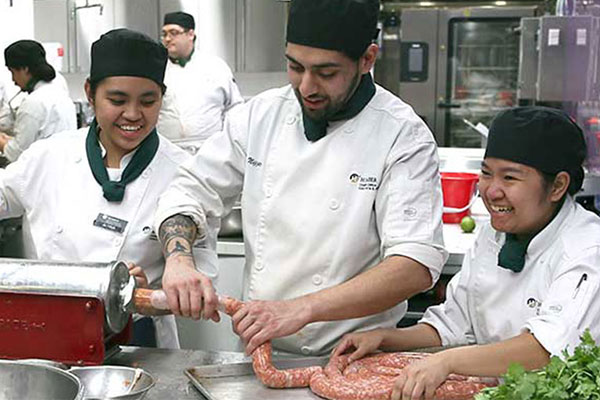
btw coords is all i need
(467, 224)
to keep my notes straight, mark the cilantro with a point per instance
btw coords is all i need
(576, 377)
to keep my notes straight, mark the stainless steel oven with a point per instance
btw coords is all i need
(460, 66)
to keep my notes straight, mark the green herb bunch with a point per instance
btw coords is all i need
(576, 377)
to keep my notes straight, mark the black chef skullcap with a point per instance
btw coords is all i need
(180, 18)
(348, 26)
(123, 52)
(543, 138)
(24, 53)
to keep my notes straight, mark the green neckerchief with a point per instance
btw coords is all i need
(182, 61)
(114, 191)
(315, 130)
(30, 85)
(512, 254)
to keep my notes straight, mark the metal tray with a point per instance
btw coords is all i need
(238, 382)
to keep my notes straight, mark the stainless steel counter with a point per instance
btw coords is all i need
(167, 367)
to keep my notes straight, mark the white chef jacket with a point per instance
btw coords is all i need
(45, 111)
(197, 97)
(555, 296)
(6, 118)
(61, 82)
(316, 214)
(52, 186)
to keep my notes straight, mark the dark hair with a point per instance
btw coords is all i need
(42, 72)
(29, 54)
(548, 181)
(94, 87)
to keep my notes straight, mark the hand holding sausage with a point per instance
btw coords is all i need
(259, 321)
(420, 379)
(190, 293)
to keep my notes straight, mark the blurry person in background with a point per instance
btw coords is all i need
(90, 194)
(10, 97)
(46, 110)
(200, 87)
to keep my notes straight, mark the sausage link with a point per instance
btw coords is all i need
(370, 378)
(262, 362)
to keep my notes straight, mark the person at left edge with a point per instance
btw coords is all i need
(46, 110)
(90, 194)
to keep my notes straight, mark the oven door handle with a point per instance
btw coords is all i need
(442, 104)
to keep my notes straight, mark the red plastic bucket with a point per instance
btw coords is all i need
(458, 189)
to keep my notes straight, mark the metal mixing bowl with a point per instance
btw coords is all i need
(28, 381)
(231, 224)
(113, 382)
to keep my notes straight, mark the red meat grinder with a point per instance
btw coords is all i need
(73, 313)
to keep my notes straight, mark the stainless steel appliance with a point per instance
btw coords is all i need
(559, 67)
(559, 58)
(460, 64)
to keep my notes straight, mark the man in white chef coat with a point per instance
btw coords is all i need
(341, 197)
(200, 87)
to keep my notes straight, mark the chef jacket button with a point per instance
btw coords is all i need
(146, 173)
(290, 120)
(317, 279)
(59, 229)
(259, 266)
(334, 204)
(268, 192)
(78, 159)
(305, 350)
(117, 241)
(147, 230)
(348, 129)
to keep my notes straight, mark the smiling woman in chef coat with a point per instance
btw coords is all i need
(90, 194)
(47, 110)
(528, 287)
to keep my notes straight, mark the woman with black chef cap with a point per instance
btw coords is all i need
(90, 194)
(47, 110)
(528, 288)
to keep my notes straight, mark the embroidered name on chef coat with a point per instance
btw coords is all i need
(254, 163)
(111, 223)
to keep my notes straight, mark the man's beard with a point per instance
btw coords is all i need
(325, 114)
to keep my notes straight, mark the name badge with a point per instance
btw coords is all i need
(111, 223)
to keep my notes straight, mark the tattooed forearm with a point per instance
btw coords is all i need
(177, 234)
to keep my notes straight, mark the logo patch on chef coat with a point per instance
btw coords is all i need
(534, 303)
(363, 182)
(110, 223)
